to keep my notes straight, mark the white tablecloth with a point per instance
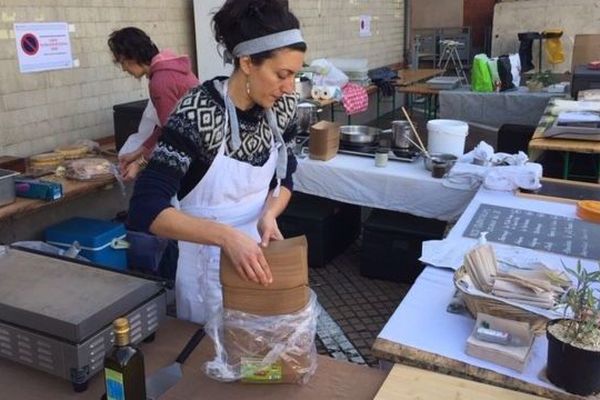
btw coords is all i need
(401, 186)
(421, 320)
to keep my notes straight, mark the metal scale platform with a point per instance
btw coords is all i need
(56, 315)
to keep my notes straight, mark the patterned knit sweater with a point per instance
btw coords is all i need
(190, 141)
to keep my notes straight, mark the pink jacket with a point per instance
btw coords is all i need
(170, 78)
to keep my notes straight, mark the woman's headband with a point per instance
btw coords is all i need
(264, 43)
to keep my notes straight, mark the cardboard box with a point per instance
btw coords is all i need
(510, 356)
(324, 140)
(289, 291)
(585, 49)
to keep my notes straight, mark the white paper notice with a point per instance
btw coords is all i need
(365, 26)
(43, 46)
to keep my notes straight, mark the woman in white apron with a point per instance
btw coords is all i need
(225, 154)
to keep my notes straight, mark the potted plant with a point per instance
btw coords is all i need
(574, 343)
(539, 80)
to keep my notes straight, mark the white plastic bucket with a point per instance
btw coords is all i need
(447, 136)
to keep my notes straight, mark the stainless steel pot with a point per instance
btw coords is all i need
(359, 134)
(7, 186)
(401, 133)
(308, 114)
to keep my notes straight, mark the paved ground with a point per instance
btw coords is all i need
(360, 306)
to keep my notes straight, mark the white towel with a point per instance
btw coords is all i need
(511, 177)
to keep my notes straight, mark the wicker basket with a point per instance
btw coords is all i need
(497, 308)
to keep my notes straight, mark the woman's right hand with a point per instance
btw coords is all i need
(247, 257)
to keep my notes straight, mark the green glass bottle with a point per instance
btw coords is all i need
(124, 375)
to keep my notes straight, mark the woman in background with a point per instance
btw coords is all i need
(170, 77)
(225, 152)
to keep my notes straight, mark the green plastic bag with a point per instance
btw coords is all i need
(493, 66)
(481, 78)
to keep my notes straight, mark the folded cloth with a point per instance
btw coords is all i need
(511, 177)
(465, 176)
(354, 98)
(383, 78)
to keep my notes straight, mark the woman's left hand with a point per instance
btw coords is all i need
(268, 229)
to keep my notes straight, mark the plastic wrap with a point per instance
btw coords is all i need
(264, 349)
(86, 169)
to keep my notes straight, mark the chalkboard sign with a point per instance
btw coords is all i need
(535, 230)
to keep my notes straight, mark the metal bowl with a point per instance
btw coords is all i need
(359, 133)
(439, 158)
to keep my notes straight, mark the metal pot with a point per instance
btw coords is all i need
(359, 134)
(7, 186)
(448, 160)
(401, 133)
(308, 114)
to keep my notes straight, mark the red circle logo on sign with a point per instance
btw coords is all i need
(30, 44)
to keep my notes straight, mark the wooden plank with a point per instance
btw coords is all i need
(398, 353)
(418, 88)
(408, 383)
(409, 76)
(563, 191)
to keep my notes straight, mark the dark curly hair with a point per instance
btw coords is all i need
(132, 43)
(241, 20)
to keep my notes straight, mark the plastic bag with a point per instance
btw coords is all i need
(505, 73)
(87, 169)
(481, 78)
(328, 74)
(264, 349)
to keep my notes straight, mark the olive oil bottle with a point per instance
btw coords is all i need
(124, 375)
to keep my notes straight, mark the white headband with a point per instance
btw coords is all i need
(264, 43)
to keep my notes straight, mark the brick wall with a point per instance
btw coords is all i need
(39, 111)
(331, 28)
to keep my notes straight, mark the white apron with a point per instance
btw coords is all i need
(233, 193)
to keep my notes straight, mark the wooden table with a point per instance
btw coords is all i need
(422, 89)
(407, 383)
(71, 190)
(332, 379)
(405, 77)
(539, 143)
(409, 76)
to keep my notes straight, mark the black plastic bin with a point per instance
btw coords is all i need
(126, 119)
(391, 244)
(330, 226)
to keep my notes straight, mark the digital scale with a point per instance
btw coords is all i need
(56, 314)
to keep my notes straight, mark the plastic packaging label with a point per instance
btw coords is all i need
(114, 385)
(254, 371)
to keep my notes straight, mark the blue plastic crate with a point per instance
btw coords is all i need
(101, 241)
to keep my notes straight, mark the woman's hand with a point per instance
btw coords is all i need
(247, 257)
(268, 229)
(129, 166)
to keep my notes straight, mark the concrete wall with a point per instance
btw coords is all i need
(40, 111)
(573, 16)
(437, 14)
(331, 29)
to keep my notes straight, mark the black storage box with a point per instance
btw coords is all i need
(330, 226)
(584, 79)
(126, 119)
(391, 244)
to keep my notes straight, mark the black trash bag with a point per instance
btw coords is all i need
(526, 49)
(383, 78)
(505, 74)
